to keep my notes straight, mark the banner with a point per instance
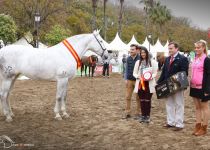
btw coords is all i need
(99, 69)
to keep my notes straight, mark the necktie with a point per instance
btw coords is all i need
(171, 60)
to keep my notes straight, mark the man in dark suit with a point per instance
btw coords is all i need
(174, 103)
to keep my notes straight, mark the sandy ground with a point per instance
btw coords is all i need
(96, 106)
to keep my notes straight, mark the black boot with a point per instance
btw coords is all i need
(142, 119)
(147, 119)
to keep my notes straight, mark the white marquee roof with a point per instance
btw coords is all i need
(133, 41)
(166, 46)
(41, 45)
(159, 47)
(117, 44)
(22, 41)
(146, 43)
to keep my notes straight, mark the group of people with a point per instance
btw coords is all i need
(140, 77)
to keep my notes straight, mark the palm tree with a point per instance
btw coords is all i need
(159, 15)
(94, 6)
(148, 4)
(105, 1)
(120, 18)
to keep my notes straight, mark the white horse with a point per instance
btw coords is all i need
(58, 63)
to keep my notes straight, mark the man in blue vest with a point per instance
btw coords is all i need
(130, 81)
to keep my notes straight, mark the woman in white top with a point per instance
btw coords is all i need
(145, 71)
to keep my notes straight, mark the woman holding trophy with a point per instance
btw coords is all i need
(145, 71)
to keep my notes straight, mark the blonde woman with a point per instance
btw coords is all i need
(200, 87)
(145, 71)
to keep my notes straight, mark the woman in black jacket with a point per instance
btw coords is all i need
(201, 95)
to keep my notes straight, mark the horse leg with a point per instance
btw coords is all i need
(63, 105)
(61, 93)
(82, 67)
(89, 70)
(63, 101)
(85, 70)
(93, 69)
(5, 89)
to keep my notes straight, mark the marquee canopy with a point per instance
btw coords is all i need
(133, 41)
(22, 41)
(117, 44)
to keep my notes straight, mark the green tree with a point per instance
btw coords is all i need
(7, 29)
(159, 15)
(23, 12)
(148, 4)
(56, 35)
(79, 22)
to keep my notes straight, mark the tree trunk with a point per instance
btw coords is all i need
(120, 18)
(105, 21)
(94, 14)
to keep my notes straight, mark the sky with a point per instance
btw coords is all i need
(198, 11)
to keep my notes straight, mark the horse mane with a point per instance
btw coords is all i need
(78, 37)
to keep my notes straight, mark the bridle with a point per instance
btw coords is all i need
(99, 42)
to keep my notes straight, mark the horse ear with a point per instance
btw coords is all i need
(99, 30)
(96, 32)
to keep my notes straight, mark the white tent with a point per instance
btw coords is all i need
(152, 51)
(22, 41)
(158, 46)
(166, 48)
(133, 41)
(105, 43)
(147, 44)
(118, 45)
(41, 45)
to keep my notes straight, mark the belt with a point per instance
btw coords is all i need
(196, 86)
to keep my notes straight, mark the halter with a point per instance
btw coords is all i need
(99, 42)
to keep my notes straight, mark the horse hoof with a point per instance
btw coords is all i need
(9, 119)
(12, 115)
(65, 116)
(58, 118)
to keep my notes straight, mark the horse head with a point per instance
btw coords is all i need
(94, 58)
(97, 45)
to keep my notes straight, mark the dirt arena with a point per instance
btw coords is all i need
(96, 106)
